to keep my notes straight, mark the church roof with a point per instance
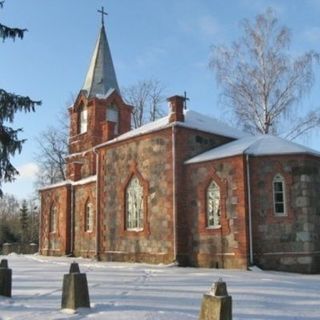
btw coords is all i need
(262, 145)
(101, 76)
(192, 120)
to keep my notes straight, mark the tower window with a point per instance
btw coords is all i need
(134, 205)
(83, 120)
(213, 205)
(279, 195)
(113, 116)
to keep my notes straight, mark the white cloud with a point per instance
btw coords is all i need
(27, 171)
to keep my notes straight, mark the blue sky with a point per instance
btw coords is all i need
(167, 40)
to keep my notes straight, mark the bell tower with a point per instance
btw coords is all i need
(99, 113)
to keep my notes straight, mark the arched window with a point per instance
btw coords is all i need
(53, 219)
(213, 205)
(279, 195)
(134, 205)
(113, 116)
(83, 119)
(88, 219)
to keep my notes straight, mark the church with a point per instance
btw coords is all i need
(185, 188)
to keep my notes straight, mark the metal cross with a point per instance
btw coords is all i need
(185, 100)
(103, 13)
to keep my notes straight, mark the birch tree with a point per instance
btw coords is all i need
(262, 83)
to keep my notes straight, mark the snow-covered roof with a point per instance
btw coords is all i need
(70, 182)
(261, 145)
(106, 95)
(203, 122)
(192, 120)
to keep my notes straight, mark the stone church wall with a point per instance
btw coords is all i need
(189, 143)
(224, 247)
(149, 158)
(290, 242)
(58, 242)
(84, 241)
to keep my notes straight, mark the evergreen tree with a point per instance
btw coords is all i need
(24, 221)
(11, 103)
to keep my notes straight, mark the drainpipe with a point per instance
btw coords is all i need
(174, 192)
(250, 211)
(40, 227)
(97, 204)
(72, 220)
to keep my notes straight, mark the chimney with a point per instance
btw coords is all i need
(176, 108)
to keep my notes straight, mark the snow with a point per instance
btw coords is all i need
(256, 146)
(68, 182)
(192, 120)
(107, 95)
(205, 123)
(123, 291)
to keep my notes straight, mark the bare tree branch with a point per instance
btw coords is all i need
(52, 150)
(261, 82)
(146, 96)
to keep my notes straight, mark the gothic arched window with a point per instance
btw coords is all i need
(113, 116)
(134, 205)
(279, 195)
(88, 219)
(53, 218)
(213, 205)
(83, 119)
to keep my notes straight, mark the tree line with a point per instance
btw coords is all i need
(19, 220)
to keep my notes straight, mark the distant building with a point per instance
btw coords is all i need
(183, 188)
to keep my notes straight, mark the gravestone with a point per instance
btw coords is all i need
(216, 304)
(5, 279)
(75, 293)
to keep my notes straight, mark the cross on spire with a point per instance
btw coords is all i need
(185, 100)
(103, 13)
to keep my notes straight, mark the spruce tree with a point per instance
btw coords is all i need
(24, 221)
(11, 103)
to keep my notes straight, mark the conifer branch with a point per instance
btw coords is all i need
(6, 32)
(10, 103)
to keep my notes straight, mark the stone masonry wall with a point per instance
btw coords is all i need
(149, 159)
(291, 242)
(189, 143)
(227, 246)
(84, 241)
(55, 243)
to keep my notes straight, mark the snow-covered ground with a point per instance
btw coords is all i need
(122, 291)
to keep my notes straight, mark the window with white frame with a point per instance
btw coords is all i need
(88, 223)
(83, 119)
(279, 195)
(53, 219)
(113, 116)
(134, 205)
(213, 205)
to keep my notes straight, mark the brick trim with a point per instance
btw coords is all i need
(202, 196)
(145, 185)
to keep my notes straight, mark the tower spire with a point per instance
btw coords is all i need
(101, 76)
